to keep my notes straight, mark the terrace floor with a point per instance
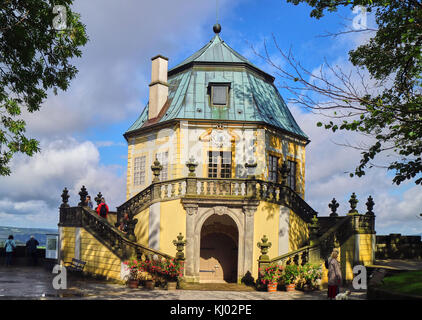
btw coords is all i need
(35, 283)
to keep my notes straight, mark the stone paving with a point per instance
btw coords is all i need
(36, 283)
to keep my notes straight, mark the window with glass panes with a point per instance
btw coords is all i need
(219, 95)
(139, 171)
(163, 158)
(291, 180)
(219, 164)
(273, 169)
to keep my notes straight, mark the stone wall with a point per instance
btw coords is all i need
(396, 246)
(20, 256)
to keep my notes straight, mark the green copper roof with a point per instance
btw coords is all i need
(252, 97)
(214, 51)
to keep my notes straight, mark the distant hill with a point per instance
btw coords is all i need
(22, 235)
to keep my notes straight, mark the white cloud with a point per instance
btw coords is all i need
(33, 190)
(327, 176)
(114, 71)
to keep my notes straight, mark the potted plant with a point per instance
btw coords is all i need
(147, 272)
(133, 278)
(290, 276)
(172, 270)
(309, 277)
(270, 275)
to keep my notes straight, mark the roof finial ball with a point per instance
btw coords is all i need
(217, 28)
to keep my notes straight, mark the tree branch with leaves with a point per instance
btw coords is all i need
(34, 58)
(381, 97)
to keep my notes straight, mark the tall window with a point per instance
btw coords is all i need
(163, 158)
(291, 180)
(139, 171)
(219, 164)
(273, 169)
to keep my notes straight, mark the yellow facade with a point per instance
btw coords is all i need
(172, 222)
(347, 251)
(266, 221)
(67, 245)
(142, 227)
(99, 259)
(298, 232)
(366, 248)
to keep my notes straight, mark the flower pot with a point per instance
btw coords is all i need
(171, 285)
(290, 287)
(133, 284)
(149, 284)
(272, 287)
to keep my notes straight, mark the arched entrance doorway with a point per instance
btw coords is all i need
(219, 250)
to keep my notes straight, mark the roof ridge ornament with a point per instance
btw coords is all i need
(217, 28)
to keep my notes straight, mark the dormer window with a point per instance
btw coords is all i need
(219, 94)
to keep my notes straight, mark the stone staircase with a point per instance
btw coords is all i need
(108, 235)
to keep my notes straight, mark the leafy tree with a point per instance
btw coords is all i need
(388, 106)
(34, 58)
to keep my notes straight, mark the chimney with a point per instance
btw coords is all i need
(158, 88)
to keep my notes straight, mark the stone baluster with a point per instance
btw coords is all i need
(179, 189)
(173, 190)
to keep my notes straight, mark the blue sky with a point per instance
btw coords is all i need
(81, 130)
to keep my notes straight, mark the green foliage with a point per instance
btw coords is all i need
(393, 57)
(309, 275)
(34, 58)
(290, 274)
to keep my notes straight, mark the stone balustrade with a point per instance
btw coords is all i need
(115, 240)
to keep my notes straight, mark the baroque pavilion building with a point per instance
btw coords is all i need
(217, 157)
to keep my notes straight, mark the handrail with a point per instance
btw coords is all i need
(303, 253)
(113, 238)
(292, 253)
(219, 187)
(113, 233)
